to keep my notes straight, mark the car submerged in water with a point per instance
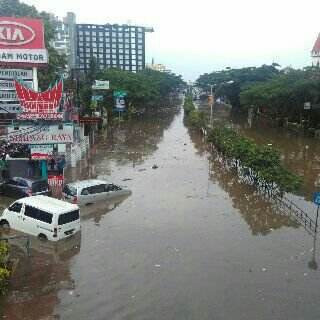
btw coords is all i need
(18, 187)
(92, 191)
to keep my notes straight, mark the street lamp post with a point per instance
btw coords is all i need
(211, 102)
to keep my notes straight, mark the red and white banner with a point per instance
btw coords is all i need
(41, 151)
(39, 105)
(40, 134)
(55, 180)
(22, 42)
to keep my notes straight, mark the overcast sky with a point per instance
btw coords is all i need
(204, 36)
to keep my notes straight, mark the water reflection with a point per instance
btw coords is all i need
(39, 277)
(127, 144)
(261, 215)
(98, 210)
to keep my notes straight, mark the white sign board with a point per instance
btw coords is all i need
(15, 73)
(24, 56)
(101, 85)
(41, 151)
(8, 96)
(40, 134)
(9, 84)
(307, 105)
(10, 108)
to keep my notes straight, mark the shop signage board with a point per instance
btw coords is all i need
(55, 180)
(9, 85)
(40, 134)
(39, 105)
(10, 108)
(41, 151)
(15, 73)
(8, 96)
(101, 85)
(22, 42)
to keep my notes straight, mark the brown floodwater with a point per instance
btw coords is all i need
(193, 241)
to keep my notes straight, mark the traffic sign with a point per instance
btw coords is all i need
(316, 199)
(120, 94)
(97, 98)
(101, 85)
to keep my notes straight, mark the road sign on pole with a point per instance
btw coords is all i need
(101, 85)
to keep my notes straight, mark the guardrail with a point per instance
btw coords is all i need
(27, 243)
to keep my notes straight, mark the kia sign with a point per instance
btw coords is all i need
(40, 134)
(22, 42)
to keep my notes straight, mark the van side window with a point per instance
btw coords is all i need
(86, 191)
(38, 214)
(99, 188)
(16, 207)
(68, 217)
(112, 187)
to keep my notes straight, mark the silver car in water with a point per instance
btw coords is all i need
(91, 191)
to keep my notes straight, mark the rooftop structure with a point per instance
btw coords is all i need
(315, 53)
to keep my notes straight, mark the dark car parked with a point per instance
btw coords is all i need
(22, 187)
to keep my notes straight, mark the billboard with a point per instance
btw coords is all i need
(22, 42)
(39, 105)
(40, 134)
(41, 151)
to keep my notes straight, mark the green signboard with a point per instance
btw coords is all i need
(97, 98)
(120, 94)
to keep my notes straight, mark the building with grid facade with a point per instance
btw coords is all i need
(120, 46)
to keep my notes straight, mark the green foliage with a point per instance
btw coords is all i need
(188, 104)
(284, 95)
(144, 88)
(230, 82)
(261, 164)
(48, 74)
(4, 273)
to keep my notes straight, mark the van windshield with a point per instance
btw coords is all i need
(68, 217)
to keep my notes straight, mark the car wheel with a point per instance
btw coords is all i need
(42, 237)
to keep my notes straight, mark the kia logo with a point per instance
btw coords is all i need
(15, 33)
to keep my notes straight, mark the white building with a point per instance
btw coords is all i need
(65, 37)
(315, 53)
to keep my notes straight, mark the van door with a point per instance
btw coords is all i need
(37, 222)
(86, 196)
(100, 193)
(68, 223)
(15, 217)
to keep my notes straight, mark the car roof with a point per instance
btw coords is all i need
(48, 204)
(28, 179)
(86, 183)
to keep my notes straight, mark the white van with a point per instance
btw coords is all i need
(42, 216)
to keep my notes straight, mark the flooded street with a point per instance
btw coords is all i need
(191, 242)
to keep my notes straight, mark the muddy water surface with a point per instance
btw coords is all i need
(191, 242)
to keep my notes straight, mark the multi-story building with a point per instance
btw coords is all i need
(156, 66)
(121, 46)
(65, 37)
(315, 53)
